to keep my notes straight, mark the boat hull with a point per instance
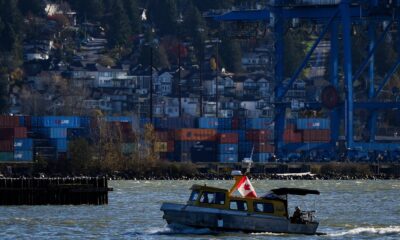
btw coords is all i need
(213, 218)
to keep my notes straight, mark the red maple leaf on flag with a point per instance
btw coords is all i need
(246, 187)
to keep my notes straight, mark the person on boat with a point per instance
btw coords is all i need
(296, 218)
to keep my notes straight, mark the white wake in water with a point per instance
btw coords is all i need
(180, 229)
(368, 230)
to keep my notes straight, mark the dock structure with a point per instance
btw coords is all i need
(54, 191)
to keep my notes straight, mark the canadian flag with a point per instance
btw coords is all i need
(245, 188)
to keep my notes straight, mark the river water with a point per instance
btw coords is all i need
(345, 209)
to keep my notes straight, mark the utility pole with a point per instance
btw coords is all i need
(151, 83)
(179, 21)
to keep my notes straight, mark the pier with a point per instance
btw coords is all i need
(54, 191)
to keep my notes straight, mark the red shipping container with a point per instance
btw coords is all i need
(11, 133)
(290, 136)
(258, 135)
(314, 135)
(264, 147)
(228, 138)
(194, 134)
(9, 121)
(6, 146)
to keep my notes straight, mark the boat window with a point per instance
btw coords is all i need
(213, 198)
(238, 205)
(263, 207)
(194, 196)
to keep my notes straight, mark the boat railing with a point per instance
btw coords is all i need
(307, 216)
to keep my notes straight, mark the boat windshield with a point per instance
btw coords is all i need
(194, 196)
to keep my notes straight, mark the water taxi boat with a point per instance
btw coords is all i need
(218, 209)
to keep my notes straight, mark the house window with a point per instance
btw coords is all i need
(194, 196)
(263, 207)
(238, 205)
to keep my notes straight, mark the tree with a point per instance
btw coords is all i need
(31, 7)
(164, 13)
(231, 54)
(80, 156)
(294, 52)
(88, 9)
(4, 104)
(132, 11)
(119, 29)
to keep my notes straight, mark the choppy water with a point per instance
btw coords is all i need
(346, 210)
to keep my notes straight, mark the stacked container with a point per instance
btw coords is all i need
(314, 130)
(260, 140)
(228, 148)
(14, 144)
(196, 145)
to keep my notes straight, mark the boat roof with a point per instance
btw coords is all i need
(294, 191)
(207, 188)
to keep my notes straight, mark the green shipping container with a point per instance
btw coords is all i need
(6, 156)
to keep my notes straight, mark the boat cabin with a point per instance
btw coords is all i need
(205, 196)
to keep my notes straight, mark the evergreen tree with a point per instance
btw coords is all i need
(294, 52)
(31, 6)
(231, 54)
(196, 28)
(3, 93)
(88, 9)
(164, 14)
(119, 30)
(132, 11)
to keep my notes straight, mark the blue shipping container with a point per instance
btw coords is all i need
(208, 122)
(245, 147)
(23, 144)
(261, 157)
(74, 133)
(313, 123)
(228, 148)
(174, 123)
(54, 132)
(224, 123)
(24, 156)
(228, 158)
(61, 144)
(56, 121)
(256, 123)
(118, 119)
(85, 122)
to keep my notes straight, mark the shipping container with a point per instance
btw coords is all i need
(11, 133)
(208, 122)
(184, 146)
(86, 122)
(167, 156)
(23, 144)
(6, 146)
(261, 157)
(235, 123)
(228, 158)
(75, 133)
(6, 156)
(164, 136)
(316, 136)
(23, 156)
(313, 123)
(258, 135)
(241, 133)
(191, 134)
(225, 123)
(224, 138)
(9, 121)
(256, 123)
(291, 136)
(228, 149)
(54, 132)
(264, 147)
(203, 156)
(60, 144)
(245, 147)
(57, 121)
(127, 119)
(174, 123)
